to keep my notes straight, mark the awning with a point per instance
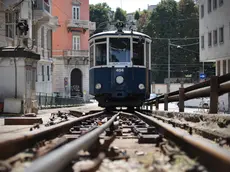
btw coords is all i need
(18, 52)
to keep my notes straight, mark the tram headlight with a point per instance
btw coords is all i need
(98, 86)
(119, 79)
(141, 86)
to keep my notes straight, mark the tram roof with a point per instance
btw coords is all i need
(109, 33)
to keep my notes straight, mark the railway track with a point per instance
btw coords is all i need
(112, 141)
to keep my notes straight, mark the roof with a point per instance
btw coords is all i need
(18, 52)
(107, 33)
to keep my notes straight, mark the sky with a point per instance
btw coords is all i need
(128, 5)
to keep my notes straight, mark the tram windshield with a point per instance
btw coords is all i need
(119, 50)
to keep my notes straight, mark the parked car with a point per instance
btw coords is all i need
(152, 96)
(197, 103)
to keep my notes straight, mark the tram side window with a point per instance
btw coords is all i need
(147, 54)
(138, 52)
(101, 54)
(91, 56)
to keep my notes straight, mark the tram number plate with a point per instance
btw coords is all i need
(119, 70)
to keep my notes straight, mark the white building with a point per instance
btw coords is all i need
(38, 40)
(44, 25)
(214, 17)
(41, 24)
(151, 8)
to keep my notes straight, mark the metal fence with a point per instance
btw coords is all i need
(213, 88)
(46, 101)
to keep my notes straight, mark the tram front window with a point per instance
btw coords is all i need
(100, 54)
(119, 50)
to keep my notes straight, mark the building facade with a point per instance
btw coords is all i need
(44, 26)
(214, 19)
(37, 40)
(38, 14)
(150, 8)
(71, 49)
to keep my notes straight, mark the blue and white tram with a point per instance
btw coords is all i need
(120, 64)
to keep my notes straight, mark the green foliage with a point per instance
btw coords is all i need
(174, 20)
(143, 20)
(120, 15)
(137, 15)
(100, 13)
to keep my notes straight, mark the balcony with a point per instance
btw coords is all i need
(81, 24)
(42, 8)
(76, 53)
(72, 57)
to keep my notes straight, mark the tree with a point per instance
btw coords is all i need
(143, 20)
(101, 14)
(174, 20)
(120, 15)
(163, 23)
(137, 15)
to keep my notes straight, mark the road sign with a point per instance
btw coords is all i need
(202, 76)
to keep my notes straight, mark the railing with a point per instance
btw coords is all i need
(82, 24)
(212, 88)
(42, 5)
(78, 23)
(76, 53)
(70, 53)
(53, 101)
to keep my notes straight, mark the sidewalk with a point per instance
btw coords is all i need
(11, 131)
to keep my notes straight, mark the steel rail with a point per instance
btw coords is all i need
(212, 156)
(14, 145)
(58, 159)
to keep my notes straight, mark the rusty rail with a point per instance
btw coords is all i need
(61, 157)
(214, 88)
(212, 156)
(14, 145)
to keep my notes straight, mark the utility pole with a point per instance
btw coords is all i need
(121, 4)
(168, 90)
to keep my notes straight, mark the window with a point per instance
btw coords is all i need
(91, 55)
(218, 68)
(101, 54)
(10, 19)
(147, 54)
(209, 6)
(221, 34)
(228, 66)
(76, 13)
(229, 30)
(202, 42)
(43, 76)
(48, 73)
(42, 39)
(138, 53)
(119, 50)
(214, 4)
(202, 11)
(224, 67)
(214, 37)
(221, 2)
(76, 42)
(33, 79)
(210, 39)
